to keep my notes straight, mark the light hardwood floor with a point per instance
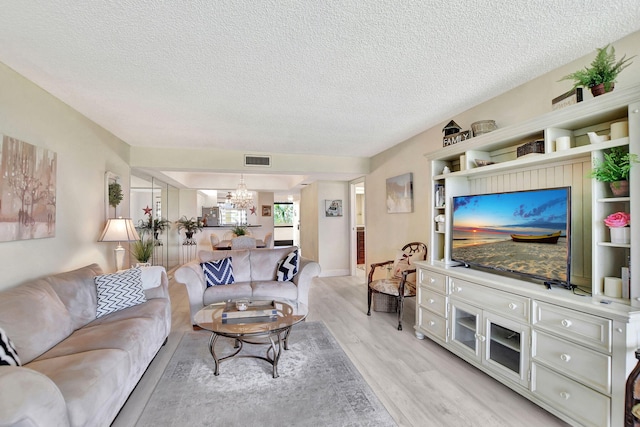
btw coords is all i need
(419, 382)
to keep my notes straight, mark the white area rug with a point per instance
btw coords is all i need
(318, 386)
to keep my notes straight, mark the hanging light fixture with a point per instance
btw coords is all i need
(242, 198)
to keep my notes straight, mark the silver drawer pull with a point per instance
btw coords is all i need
(513, 305)
(458, 289)
(565, 395)
(565, 357)
(431, 300)
(432, 323)
(566, 323)
(481, 338)
(432, 280)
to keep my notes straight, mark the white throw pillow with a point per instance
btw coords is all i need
(405, 261)
(118, 291)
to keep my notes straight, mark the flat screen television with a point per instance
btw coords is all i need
(521, 232)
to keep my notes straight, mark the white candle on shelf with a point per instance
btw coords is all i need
(613, 287)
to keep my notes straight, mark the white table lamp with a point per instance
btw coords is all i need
(119, 230)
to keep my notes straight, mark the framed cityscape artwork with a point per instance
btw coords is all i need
(27, 191)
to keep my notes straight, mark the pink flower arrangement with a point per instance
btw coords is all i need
(618, 219)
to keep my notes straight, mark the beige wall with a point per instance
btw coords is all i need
(84, 152)
(388, 232)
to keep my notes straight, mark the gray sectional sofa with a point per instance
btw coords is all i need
(77, 370)
(255, 276)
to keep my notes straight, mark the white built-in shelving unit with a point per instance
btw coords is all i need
(570, 352)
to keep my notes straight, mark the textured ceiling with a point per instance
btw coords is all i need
(348, 78)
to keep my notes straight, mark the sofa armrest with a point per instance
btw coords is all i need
(29, 398)
(155, 282)
(307, 270)
(192, 277)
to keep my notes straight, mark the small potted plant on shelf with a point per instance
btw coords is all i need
(602, 74)
(142, 250)
(614, 169)
(189, 225)
(618, 224)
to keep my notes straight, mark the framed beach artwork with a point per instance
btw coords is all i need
(27, 191)
(333, 208)
(266, 210)
(400, 193)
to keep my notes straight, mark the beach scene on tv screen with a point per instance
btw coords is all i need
(524, 232)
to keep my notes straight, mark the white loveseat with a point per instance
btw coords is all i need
(77, 370)
(254, 272)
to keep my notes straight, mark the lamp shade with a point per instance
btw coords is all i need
(119, 230)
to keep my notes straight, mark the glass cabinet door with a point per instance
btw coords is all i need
(507, 347)
(465, 327)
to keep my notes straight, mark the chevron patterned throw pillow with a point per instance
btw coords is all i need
(288, 267)
(119, 290)
(8, 353)
(218, 272)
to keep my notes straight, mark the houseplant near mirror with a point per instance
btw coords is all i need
(152, 225)
(189, 225)
(142, 250)
(614, 169)
(602, 74)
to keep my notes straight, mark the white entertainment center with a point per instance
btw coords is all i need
(568, 351)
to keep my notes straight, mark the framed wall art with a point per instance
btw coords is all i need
(266, 210)
(27, 191)
(333, 208)
(400, 194)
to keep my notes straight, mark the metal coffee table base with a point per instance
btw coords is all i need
(277, 340)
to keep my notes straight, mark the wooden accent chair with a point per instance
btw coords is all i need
(402, 281)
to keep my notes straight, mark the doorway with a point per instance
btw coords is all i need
(358, 228)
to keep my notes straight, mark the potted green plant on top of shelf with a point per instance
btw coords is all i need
(189, 225)
(614, 169)
(602, 74)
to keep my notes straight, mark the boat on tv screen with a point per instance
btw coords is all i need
(525, 232)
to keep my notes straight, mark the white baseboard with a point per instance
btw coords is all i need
(333, 273)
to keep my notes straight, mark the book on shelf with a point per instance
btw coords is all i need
(254, 309)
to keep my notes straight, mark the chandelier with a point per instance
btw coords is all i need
(242, 198)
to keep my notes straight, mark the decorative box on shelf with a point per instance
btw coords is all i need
(536, 146)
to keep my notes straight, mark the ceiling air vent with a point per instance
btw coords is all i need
(250, 160)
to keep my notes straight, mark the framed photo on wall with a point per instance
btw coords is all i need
(400, 194)
(266, 210)
(333, 208)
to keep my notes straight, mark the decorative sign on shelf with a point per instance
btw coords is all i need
(569, 98)
(455, 138)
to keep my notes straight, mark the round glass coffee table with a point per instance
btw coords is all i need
(264, 322)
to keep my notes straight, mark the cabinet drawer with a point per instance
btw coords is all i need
(434, 302)
(504, 303)
(433, 325)
(578, 362)
(592, 331)
(584, 405)
(434, 281)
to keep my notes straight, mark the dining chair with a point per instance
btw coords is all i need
(268, 240)
(214, 241)
(243, 242)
